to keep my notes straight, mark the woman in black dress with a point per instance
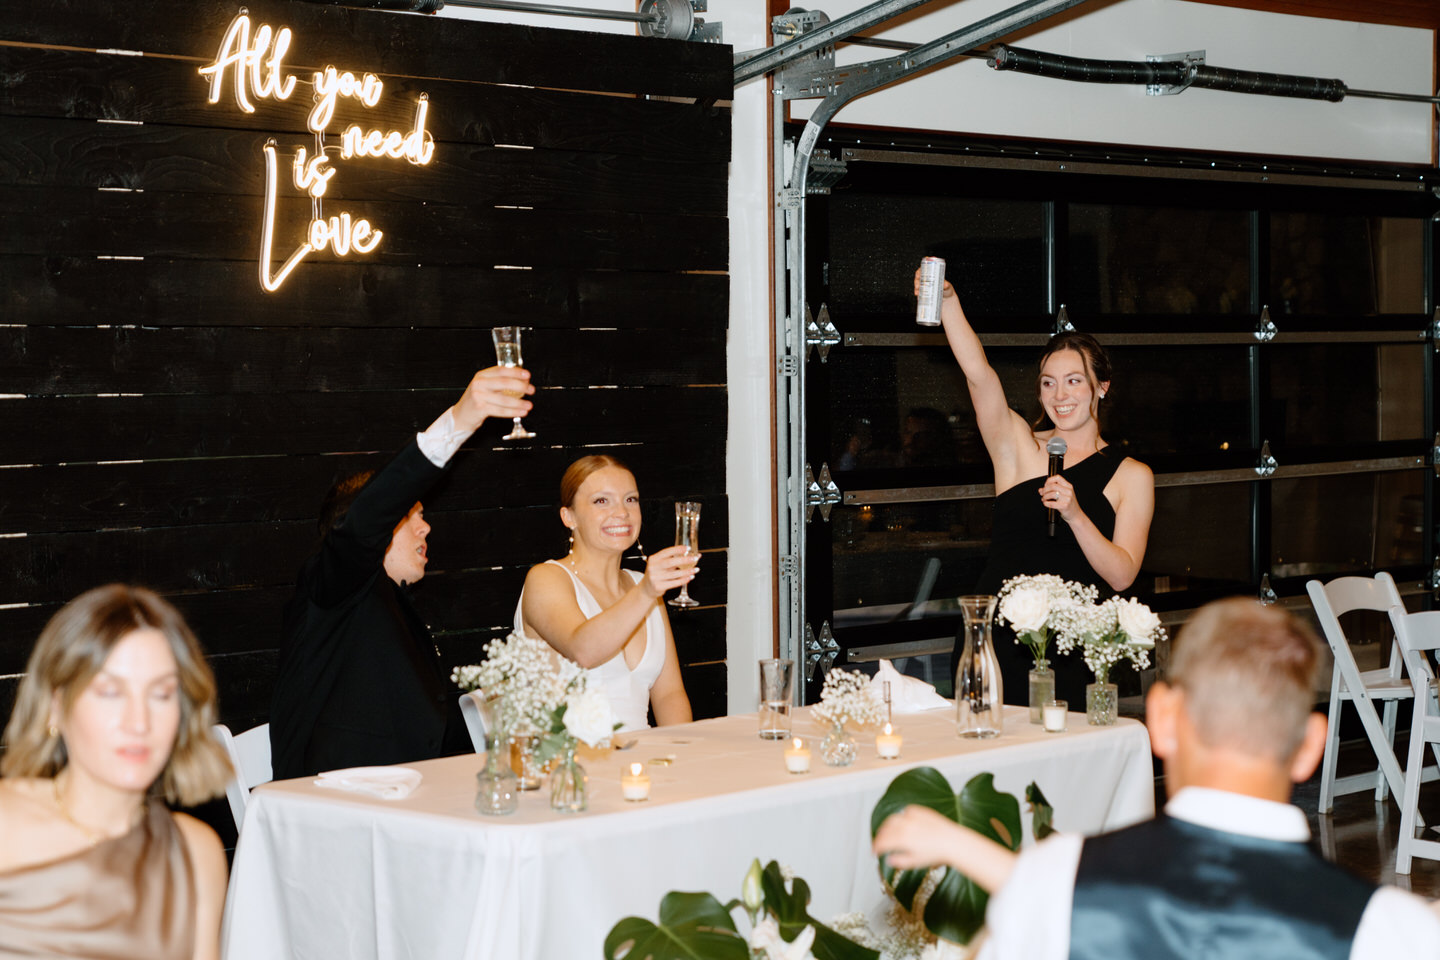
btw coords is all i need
(1104, 499)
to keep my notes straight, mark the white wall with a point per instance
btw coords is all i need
(971, 97)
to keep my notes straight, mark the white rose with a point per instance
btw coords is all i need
(1026, 609)
(1137, 621)
(588, 717)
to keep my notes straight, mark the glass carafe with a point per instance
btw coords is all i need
(979, 692)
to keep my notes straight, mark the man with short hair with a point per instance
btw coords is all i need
(360, 681)
(1227, 869)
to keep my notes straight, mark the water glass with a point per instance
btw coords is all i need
(777, 692)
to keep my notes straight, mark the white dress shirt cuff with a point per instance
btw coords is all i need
(441, 439)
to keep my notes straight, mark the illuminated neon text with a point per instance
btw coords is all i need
(253, 58)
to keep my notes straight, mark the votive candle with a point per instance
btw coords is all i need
(797, 757)
(887, 743)
(1054, 715)
(635, 785)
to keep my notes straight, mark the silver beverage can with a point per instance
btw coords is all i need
(932, 288)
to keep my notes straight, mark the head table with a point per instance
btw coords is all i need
(322, 874)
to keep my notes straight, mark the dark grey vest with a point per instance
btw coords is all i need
(1170, 890)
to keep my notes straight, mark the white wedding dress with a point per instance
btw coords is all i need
(627, 690)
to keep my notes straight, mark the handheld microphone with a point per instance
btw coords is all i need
(1056, 448)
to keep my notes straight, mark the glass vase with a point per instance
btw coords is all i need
(838, 748)
(498, 793)
(1102, 701)
(1042, 688)
(979, 692)
(528, 772)
(568, 783)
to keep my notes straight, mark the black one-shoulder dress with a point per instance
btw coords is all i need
(1020, 544)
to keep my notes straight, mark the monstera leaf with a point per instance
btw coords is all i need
(791, 911)
(956, 910)
(1041, 813)
(693, 926)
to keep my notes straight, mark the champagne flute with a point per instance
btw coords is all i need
(687, 535)
(507, 354)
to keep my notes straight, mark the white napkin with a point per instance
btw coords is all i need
(907, 694)
(387, 783)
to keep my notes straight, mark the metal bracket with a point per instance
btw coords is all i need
(825, 172)
(797, 74)
(1435, 455)
(1267, 593)
(788, 366)
(1267, 465)
(1265, 328)
(676, 19)
(1193, 59)
(789, 566)
(820, 653)
(820, 493)
(820, 333)
(1435, 322)
(1062, 321)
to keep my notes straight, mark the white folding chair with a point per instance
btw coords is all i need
(1348, 683)
(478, 717)
(1416, 633)
(250, 756)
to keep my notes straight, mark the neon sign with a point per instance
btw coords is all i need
(254, 61)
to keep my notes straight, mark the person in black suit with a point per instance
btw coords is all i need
(360, 681)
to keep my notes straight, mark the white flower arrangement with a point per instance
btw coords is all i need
(540, 693)
(849, 696)
(1034, 605)
(1119, 628)
(765, 941)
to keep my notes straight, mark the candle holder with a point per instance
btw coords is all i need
(887, 743)
(1055, 715)
(797, 757)
(635, 783)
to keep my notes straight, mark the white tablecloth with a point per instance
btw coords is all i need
(320, 874)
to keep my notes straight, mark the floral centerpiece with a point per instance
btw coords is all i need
(846, 697)
(1033, 606)
(1119, 628)
(543, 695)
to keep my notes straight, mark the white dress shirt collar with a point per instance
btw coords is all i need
(1237, 813)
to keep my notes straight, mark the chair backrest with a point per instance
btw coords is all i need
(1341, 596)
(1416, 633)
(478, 717)
(250, 756)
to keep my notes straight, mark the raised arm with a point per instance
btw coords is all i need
(550, 608)
(1117, 560)
(919, 837)
(1002, 429)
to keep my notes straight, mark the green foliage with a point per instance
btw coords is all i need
(956, 909)
(791, 911)
(1041, 813)
(693, 926)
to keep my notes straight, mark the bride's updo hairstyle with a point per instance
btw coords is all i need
(579, 471)
(1097, 367)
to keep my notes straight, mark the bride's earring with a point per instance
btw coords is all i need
(643, 554)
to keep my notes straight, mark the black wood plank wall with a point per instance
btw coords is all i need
(164, 421)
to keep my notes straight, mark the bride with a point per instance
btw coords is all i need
(608, 619)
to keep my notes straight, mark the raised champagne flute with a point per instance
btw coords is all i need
(687, 535)
(507, 354)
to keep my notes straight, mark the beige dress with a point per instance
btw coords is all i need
(130, 898)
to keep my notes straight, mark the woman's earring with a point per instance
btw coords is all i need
(1102, 394)
(572, 542)
(643, 555)
(54, 732)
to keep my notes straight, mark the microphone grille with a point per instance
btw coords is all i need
(1055, 446)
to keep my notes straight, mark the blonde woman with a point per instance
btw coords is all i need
(116, 704)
